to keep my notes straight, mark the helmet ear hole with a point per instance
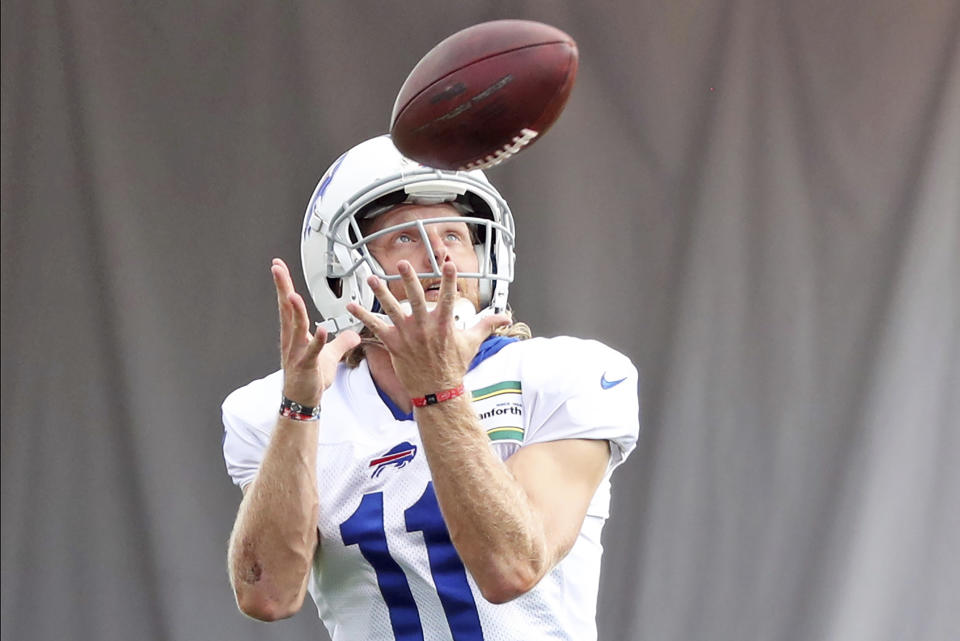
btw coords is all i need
(336, 286)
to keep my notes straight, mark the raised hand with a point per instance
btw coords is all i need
(308, 363)
(428, 353)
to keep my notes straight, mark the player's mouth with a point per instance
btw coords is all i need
(431, 292)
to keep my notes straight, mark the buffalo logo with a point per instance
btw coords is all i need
(318, 195)
(398, 456)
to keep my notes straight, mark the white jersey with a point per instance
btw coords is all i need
(385, 568)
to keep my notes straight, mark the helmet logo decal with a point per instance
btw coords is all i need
(321, 189)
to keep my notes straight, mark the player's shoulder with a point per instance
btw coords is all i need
(256, 402)
(563, 363)
(566, 349)
(250, 402)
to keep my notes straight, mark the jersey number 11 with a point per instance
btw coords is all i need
(365, 529)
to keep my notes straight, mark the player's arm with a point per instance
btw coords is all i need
(559, 479)
(510, 522)
(510, 525)
(275, 534)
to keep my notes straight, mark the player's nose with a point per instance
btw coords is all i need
(437, 248)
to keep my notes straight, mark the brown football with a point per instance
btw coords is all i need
(484, 94)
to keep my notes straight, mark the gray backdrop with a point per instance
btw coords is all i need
(757, 201)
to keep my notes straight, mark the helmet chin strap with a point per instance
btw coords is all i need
(465, 316)
(338, 324)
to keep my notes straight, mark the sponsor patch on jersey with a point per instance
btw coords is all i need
(500, 410)
(397, 456)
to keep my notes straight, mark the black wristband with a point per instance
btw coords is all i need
(298, 412)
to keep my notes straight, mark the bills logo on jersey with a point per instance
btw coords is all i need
(398, 456)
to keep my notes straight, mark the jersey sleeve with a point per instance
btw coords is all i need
(582, 389)
(249, 415)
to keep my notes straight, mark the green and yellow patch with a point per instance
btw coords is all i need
(505, 387)
(500, 410)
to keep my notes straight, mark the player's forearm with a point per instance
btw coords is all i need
(499, 537)
(275, 534)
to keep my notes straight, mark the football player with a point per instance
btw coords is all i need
(433, 472)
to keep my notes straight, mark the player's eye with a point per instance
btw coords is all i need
(405, 237)
(455, 236)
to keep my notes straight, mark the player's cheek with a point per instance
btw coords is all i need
(470, 289)
(398, 289)
(467, 259)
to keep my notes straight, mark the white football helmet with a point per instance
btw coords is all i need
(367, 181)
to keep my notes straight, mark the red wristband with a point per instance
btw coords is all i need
(439, 397)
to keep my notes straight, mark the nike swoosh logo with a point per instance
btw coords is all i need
(605, 384)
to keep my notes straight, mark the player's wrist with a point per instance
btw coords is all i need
(430, 381)
(297, 411)
(306, 393)
(439, 396)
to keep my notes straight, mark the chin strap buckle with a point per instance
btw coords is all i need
(465, 316)
(338, 324)
(464, 313)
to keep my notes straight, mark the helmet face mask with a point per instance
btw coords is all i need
(368, 181)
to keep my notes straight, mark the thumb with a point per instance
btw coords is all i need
(343, 343)
(488, 324)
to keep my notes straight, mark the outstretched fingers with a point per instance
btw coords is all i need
(300, 321)
(388, 302)
(317, 341)
(369, 319)
(414, 289)
(281, 279)
(448, 291)
(295, 338)
(284, 287)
